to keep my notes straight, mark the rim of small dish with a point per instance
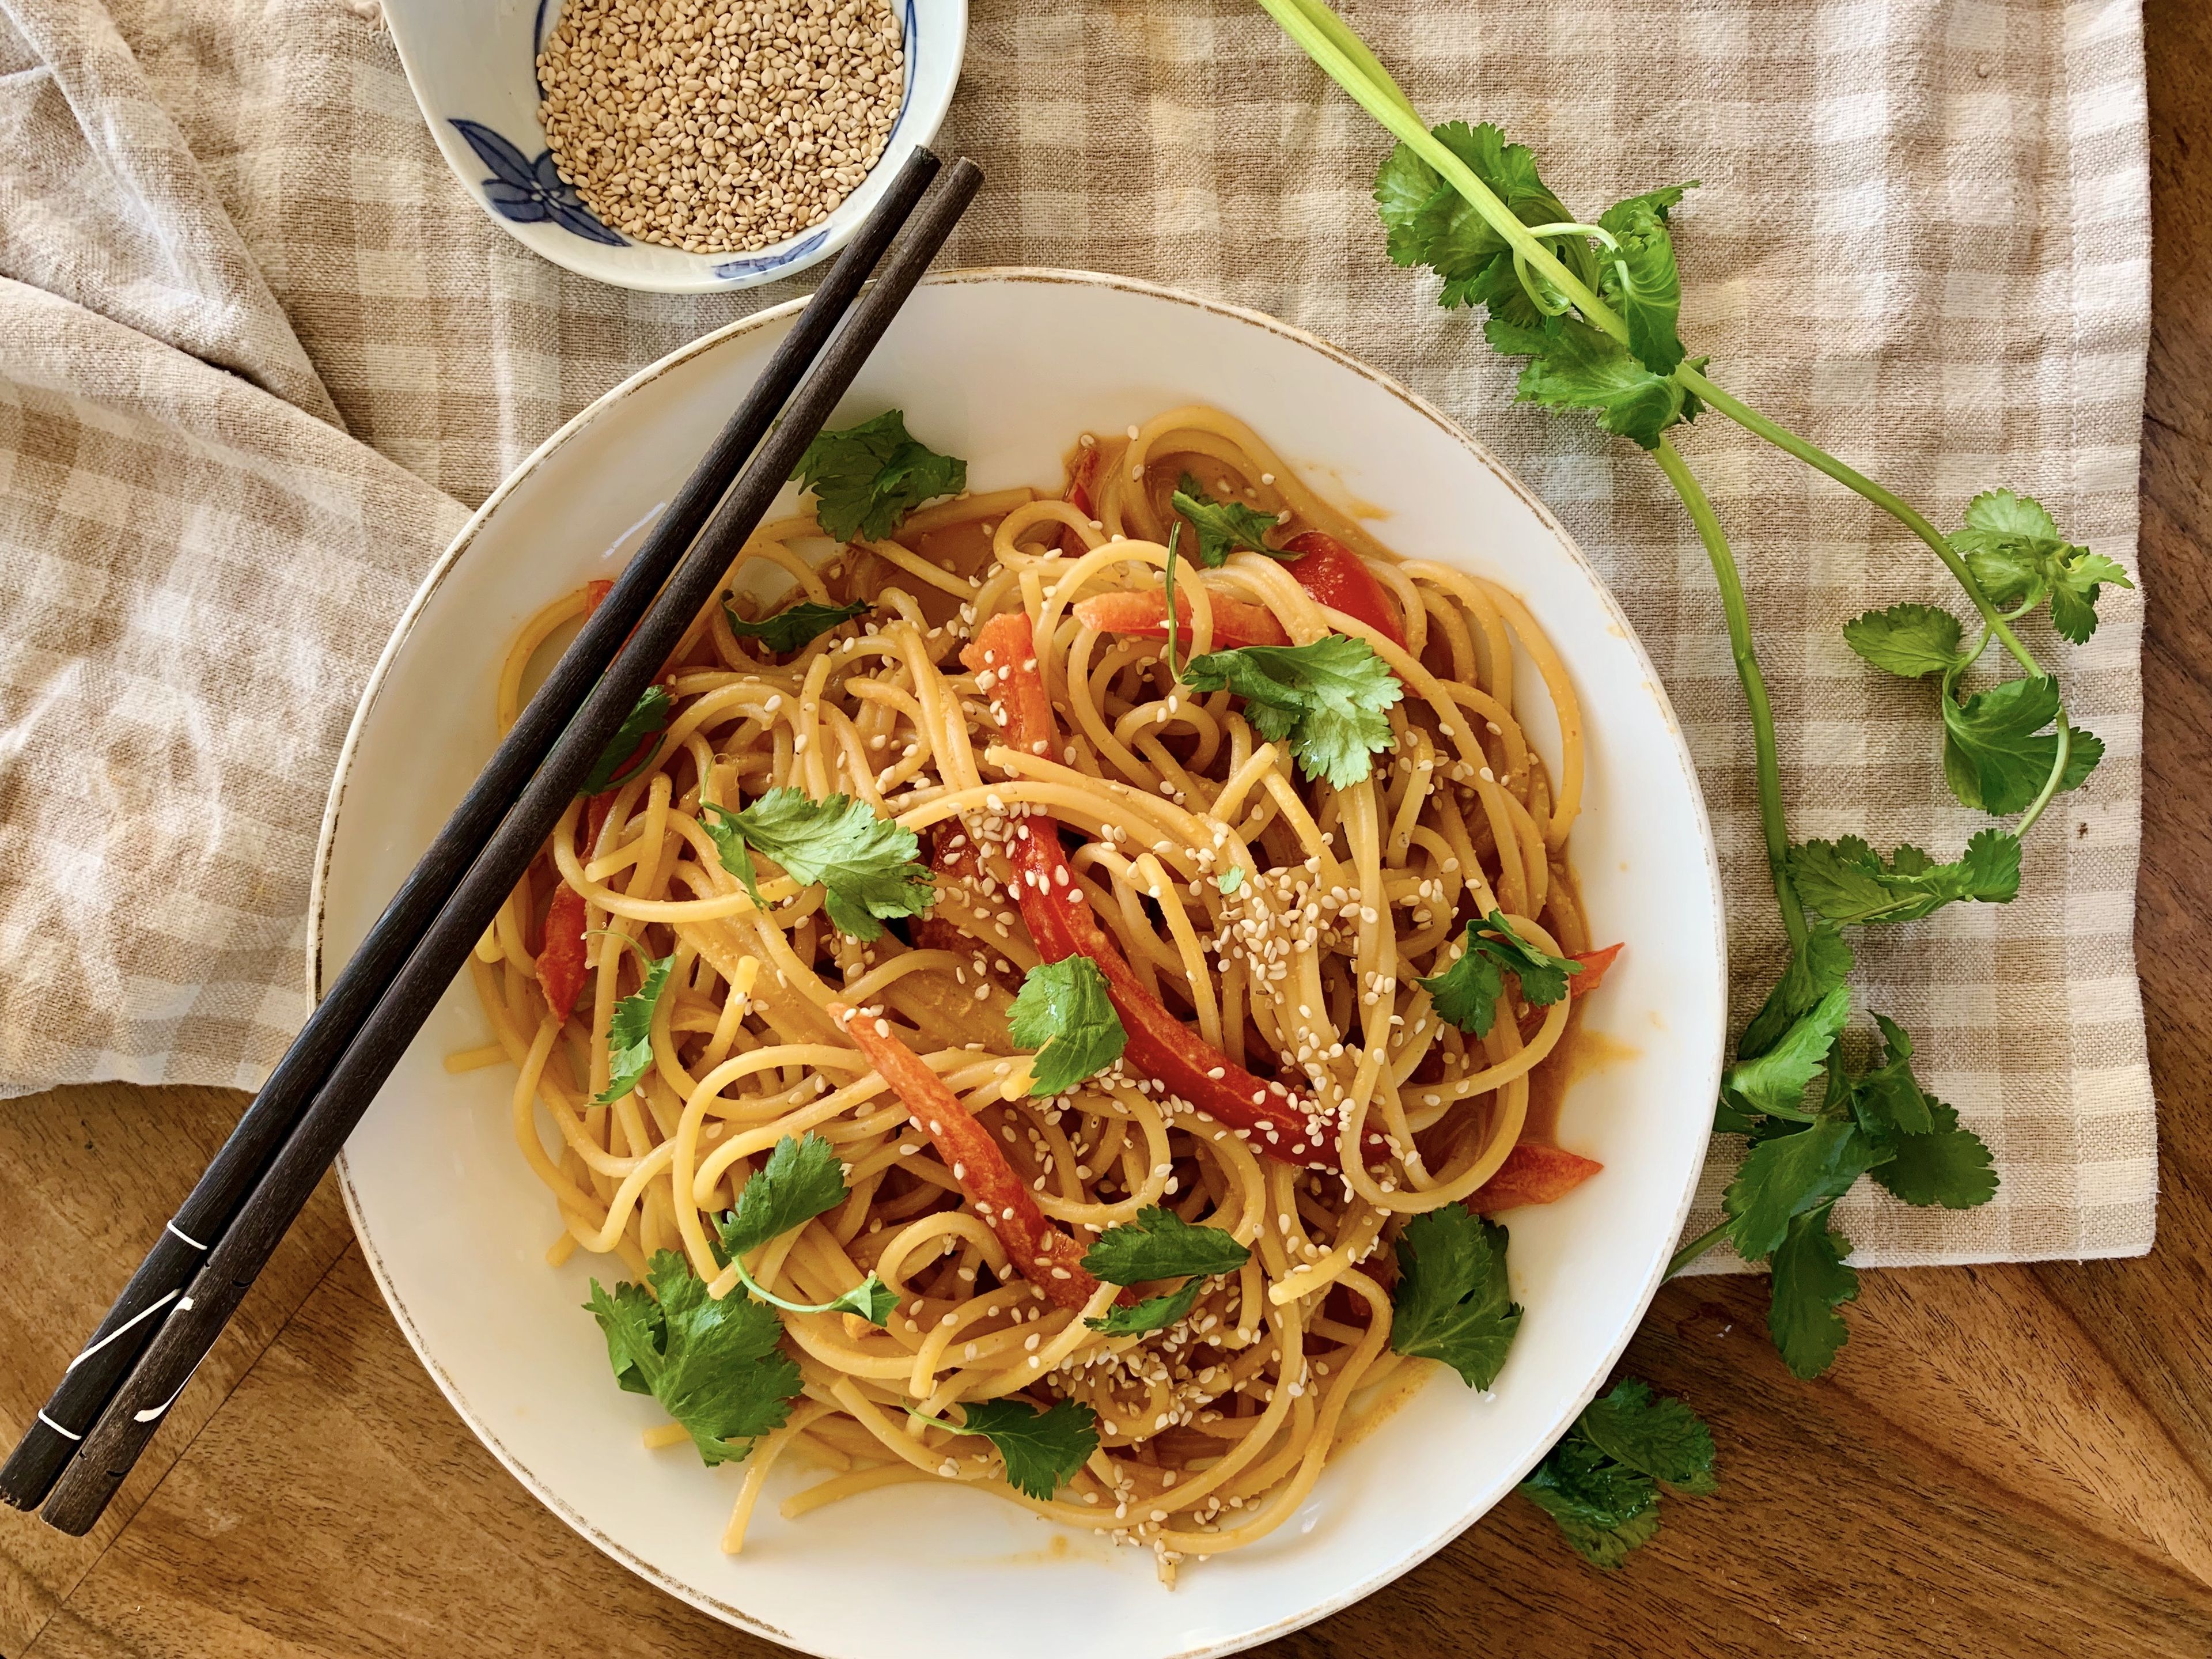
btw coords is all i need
(795, 254)
(1572, 1405)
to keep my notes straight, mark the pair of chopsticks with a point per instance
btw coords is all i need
(83, 1442)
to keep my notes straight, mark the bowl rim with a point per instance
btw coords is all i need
(916, 128)
(598, 407)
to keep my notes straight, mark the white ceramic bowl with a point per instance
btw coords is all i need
(1005, 368)
(473, 67)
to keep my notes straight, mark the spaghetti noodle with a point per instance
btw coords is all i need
(1006, 697)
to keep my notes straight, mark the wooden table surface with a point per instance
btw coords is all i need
(2008, 1461)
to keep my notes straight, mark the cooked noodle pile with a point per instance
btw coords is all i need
(1282, 920)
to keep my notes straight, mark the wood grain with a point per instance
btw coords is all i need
(2008, 1461)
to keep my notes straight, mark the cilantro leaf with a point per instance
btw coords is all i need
(1887, 1101)
(1574, 365)
(1600, 1483)
(1788, 1174)
(1775, 1081)
(646, 721)
(793, 628)
(1327, 698)
(866, 477)
(1154, 1313)
(803, 1178)
(1996, 753)
(1822, 965)
(1041, 1450)
(1810, 1281)
(1160, 1244)
(866, 864)
(1604, 1508)
(629, 1031)
(1231, 879)
(715, 1366)
(1946, 1165)
(1660, 1437)
(1430, 223)
(1467, 992)
(2014, 547)
(631, 1310)
(1641, 281)
(1907, 640)
(1847, 881)
(1063, 1013)
(1452, 1302)
(1222, 526)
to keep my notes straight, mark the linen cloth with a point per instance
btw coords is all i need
(259, 353)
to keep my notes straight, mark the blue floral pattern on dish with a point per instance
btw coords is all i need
(531, 192)
(754, 265)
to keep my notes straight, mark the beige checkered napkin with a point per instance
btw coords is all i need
(1922, 239)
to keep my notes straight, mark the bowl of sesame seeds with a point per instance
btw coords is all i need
(680, 146)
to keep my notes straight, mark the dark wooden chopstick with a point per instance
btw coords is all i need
(425, 936)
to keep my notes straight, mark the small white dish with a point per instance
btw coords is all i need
(473, 66)
(1005, 368)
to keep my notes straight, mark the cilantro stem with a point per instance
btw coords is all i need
(1331, 45)
(1773, 821)
(1904, 512)
(774, 1300)
(1698, 1246)
(1997, 622)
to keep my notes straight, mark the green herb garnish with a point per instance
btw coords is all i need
(1222, 526)
(1595, 310)
(1467, 992)
(1041, 1449)
(646, 719)
(1452, 1302)
(715, 1366)
(793, 628)
(867, 477)
(1328, 699)
(1064, 1013)
(866, 865)
(802, 1179)
(1600, 1483)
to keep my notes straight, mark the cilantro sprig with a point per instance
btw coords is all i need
(866, 477)
(1063, 1011)
(793, 628)
(1467, 992)
(1159, 1244)
(1222, 526)
(715, 1367)
(866, 865)
(1601, 1482)
(1452, 1302)
(1595, 310)
(1818, 1111)
(1329, 699)
(803, 1178)
(635, 743)
(630, 1029)
(1042, 1448)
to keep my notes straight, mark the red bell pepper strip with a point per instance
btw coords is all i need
(1043, 1254)
(1236, 622)
(560, 957)
(1334, 575)
(595, 593)
(1278, 1121)
(1533, 1173)
(1082, 479)
(1595, 964)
